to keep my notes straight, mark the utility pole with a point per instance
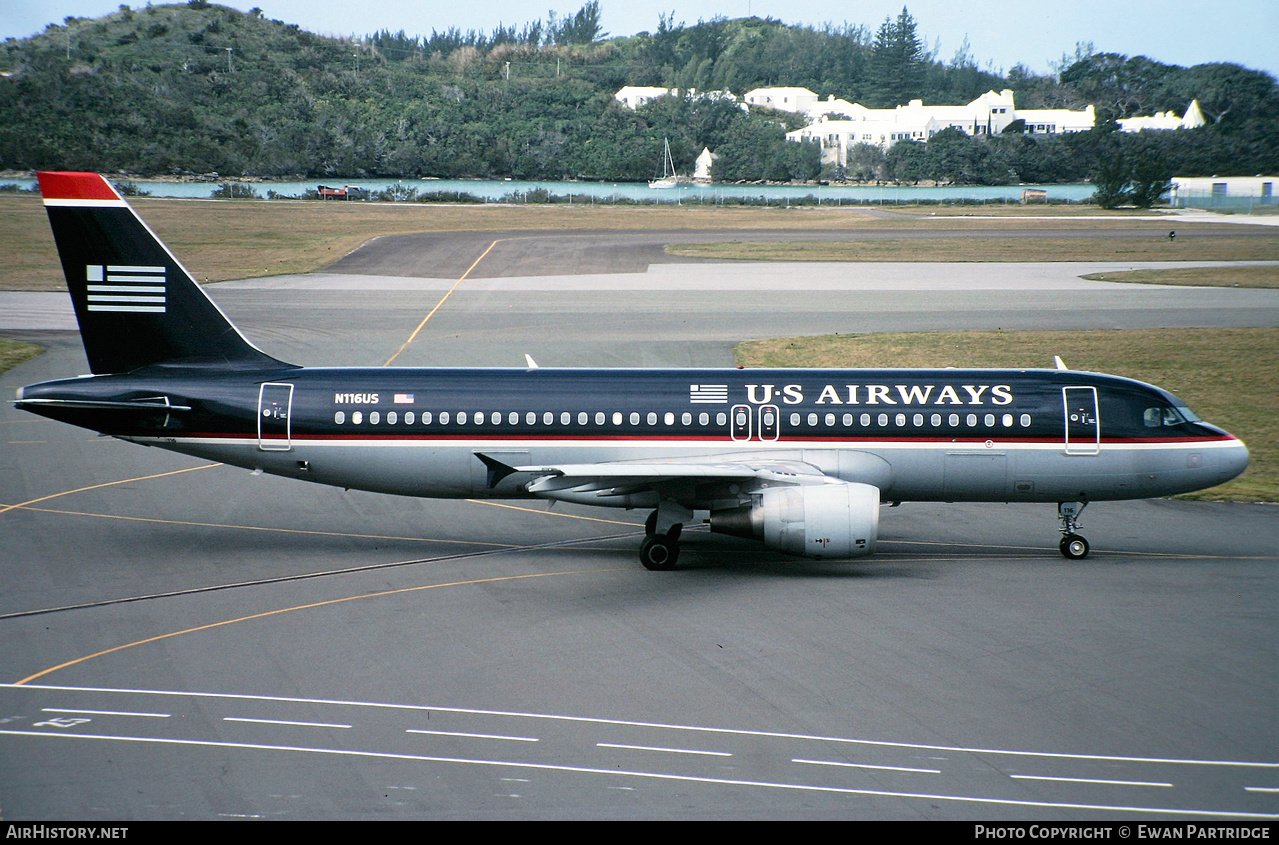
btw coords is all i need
(230, 68)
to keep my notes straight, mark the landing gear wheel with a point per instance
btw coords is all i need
(659, 552)
(1074, 547)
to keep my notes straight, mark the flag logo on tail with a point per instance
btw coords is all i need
(139, 289)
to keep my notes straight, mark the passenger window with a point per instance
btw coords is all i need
(703, 418)
(548, 418)
(721, 419)
(617, 418)
(444, 417)
(530, 418)
(972, 421)
(599, 417)
(847, 420)
(357, 417)
(583, 418)
(668, 418)
(634, 418)
(513, 418)
(935, 419)
(392, 418)
(409, 418)
(652, 418)
(952, 420)
(339, 417)
(812, 419)
(374, 418)
(565, 418)
(990, 420)
(883, 419)
(1007, 420)
(918, 419)
(1025, 420)
(865, 419)
(794, 419)
(686, 418)
(426, 418)
(461, 417)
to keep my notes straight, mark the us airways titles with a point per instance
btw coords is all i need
(885, 394)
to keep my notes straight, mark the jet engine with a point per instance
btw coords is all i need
(839, 520)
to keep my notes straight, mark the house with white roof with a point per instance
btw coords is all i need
(989, 114)
(1192, 119)
(634, 96)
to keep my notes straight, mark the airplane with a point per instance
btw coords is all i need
(799, 460)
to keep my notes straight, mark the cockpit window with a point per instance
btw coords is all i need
(1165, 415)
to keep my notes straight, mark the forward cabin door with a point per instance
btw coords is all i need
(1083, 422)
(275, 408)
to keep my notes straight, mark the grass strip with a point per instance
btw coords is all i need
(954, 246)
(14, 352)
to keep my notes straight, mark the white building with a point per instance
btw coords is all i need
(989, 114)
(634, 96)
(1236, 192)
(1192, 119)
(782, 99)
(702, 167)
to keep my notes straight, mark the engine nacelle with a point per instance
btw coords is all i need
(819, 520)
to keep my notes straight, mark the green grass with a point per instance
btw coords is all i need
(952, 246)
(1230, 377)
(14, 352)
(1222, 277)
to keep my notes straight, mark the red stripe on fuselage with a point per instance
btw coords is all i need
(710, 441)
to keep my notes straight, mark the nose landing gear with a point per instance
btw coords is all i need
(1072, 545)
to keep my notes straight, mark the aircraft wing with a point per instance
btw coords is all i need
(695, 483)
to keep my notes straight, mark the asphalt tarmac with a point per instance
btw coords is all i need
(184, 641)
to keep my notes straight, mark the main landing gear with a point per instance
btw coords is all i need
(660, 549)
(1072, 545)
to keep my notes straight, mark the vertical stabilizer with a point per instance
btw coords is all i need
(135, 303)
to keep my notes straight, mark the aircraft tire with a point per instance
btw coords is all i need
(659, 552)
(1074, 547)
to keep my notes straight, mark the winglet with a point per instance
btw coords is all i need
(1060, 364)
(528, 359)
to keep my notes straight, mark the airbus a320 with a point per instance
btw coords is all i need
(799, 460)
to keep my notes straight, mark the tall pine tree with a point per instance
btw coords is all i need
(898, 63)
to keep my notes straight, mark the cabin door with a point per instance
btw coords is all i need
(275, 407)
(1083, 422)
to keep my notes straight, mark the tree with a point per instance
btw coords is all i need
(898, 62)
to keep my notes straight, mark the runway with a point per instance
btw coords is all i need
(223, 645)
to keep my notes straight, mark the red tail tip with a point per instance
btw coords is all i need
(76, 186)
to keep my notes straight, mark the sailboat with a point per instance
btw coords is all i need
(670, 178)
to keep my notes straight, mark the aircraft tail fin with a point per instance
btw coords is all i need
(135, 302)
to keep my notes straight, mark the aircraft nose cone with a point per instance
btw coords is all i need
(1234, 461)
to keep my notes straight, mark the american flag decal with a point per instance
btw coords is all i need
(139, 289)
(708, 394)
(404, 399)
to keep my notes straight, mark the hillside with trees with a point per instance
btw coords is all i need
(197, 88)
